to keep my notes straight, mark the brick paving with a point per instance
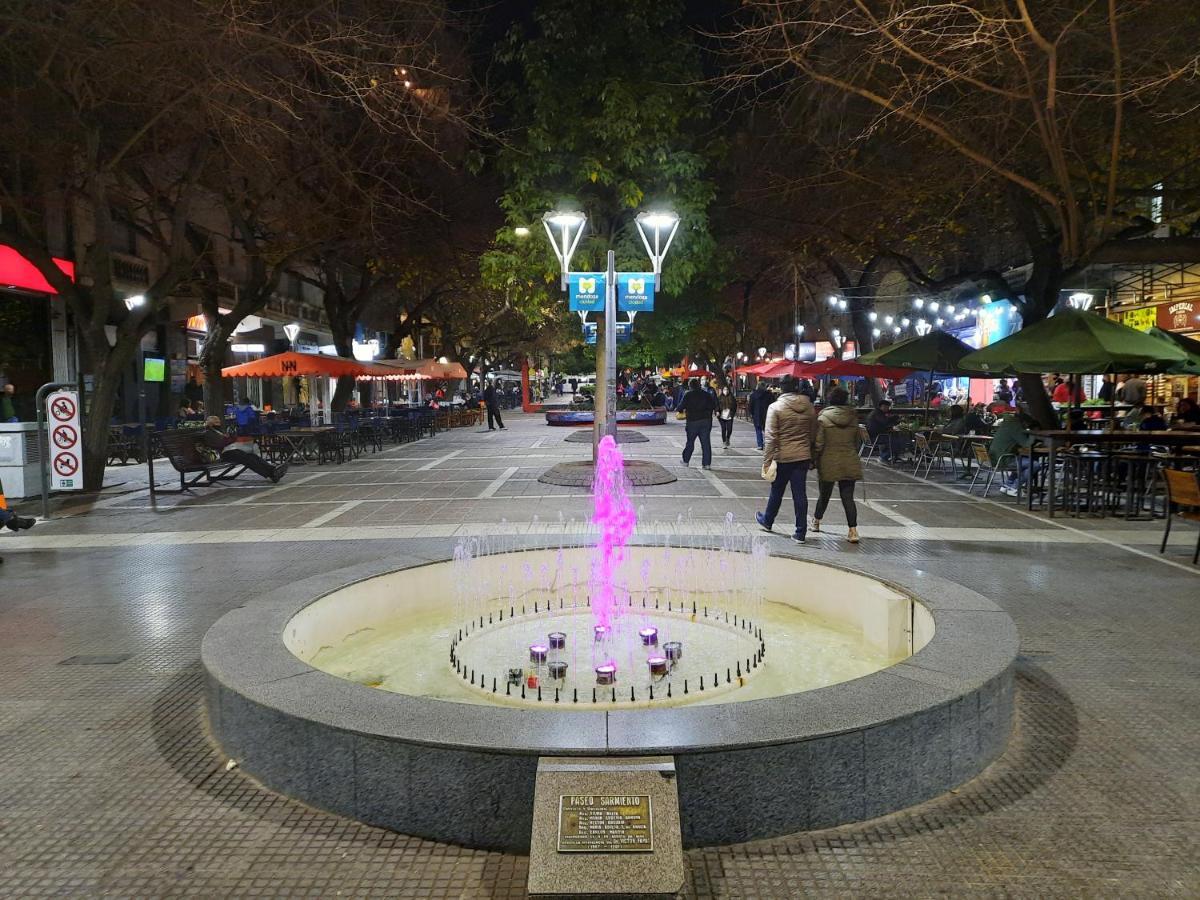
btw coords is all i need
(110, 787)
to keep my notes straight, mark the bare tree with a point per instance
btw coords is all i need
(121, 128)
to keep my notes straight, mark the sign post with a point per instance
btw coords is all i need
(60, 440)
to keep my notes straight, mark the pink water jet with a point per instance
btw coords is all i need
(614, 515)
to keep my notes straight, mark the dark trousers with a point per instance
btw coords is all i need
(494, 415)
(758, 433)
(251, 461)
(793, 474)
(726, 430)
(846, 491)
(701, 429)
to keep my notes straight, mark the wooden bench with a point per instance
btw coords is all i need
(181, 448)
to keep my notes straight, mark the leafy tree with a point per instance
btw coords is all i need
(607, 117)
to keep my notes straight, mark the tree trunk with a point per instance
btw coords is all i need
(345, 384)
(108, 372)
(212, 358)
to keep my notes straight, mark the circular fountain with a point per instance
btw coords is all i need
(793, 692)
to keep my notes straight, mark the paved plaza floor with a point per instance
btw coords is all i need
(109, 785)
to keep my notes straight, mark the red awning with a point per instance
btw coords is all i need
(757, 368)
(18, 272)
(852, 369)
(292, 363)
(785, 367)
(426, 368)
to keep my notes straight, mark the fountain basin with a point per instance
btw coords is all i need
(460, 769)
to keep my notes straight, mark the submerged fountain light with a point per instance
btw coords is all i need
(649, 636)
(557, 640)
(673, 650)
(658, 666)
(606, 674)
(600, 632)
(558, 670)
(537, 653)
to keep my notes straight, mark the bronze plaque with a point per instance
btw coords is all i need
(605, 823)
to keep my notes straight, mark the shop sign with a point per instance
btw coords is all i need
(1142, 319)
(1181, 315)
(586, 291)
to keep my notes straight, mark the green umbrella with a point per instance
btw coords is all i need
(936, 351)
(933, 352)
(1188, 345)
(1077, 343)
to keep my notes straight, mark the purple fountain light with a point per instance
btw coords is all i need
(616, 518)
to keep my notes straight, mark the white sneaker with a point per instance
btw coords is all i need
(1010, 491)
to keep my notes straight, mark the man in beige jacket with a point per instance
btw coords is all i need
(791, 429)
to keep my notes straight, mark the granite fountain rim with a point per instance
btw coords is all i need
(974, 642)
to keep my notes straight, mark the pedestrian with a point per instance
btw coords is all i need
(881, 422)
(791, 428)
(726, 409)
(492, 402)
(698, 406)
(1134, 391)
(216, 444)
(838, 462)
(760, 399)
(8, 412)
(246, 417)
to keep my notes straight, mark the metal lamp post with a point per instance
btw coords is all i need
(564, 228)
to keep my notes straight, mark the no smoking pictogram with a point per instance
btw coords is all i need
(65, 437)
(63, 409)
(66, 465)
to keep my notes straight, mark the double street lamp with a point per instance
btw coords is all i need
(564, 228)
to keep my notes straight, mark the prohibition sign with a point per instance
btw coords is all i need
(65, 465)
(65, 437)
(63, 409)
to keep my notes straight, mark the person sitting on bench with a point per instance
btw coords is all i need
(216, 441)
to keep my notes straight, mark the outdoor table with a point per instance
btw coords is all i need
(300, 443)
(1054, 437)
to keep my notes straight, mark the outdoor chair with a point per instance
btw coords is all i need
(983, 463)
(867, 447)
(932, 453)
(122, 446)
(1183, 500)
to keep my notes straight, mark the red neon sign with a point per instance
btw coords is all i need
(18, 272)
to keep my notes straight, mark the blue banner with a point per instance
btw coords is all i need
(635, 291)
(586, 291)
(624, 332)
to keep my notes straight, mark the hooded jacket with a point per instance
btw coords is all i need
(838, 440)
(791, 428)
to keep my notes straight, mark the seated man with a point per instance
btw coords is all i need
(976, 423)
(881, 421)
(216, 442)
(1187, 415)
(1012, 434)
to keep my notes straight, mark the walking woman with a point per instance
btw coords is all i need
(726, 410)
(838, 440)
(791, 425)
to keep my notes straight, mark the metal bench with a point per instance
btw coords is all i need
(181, 448)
